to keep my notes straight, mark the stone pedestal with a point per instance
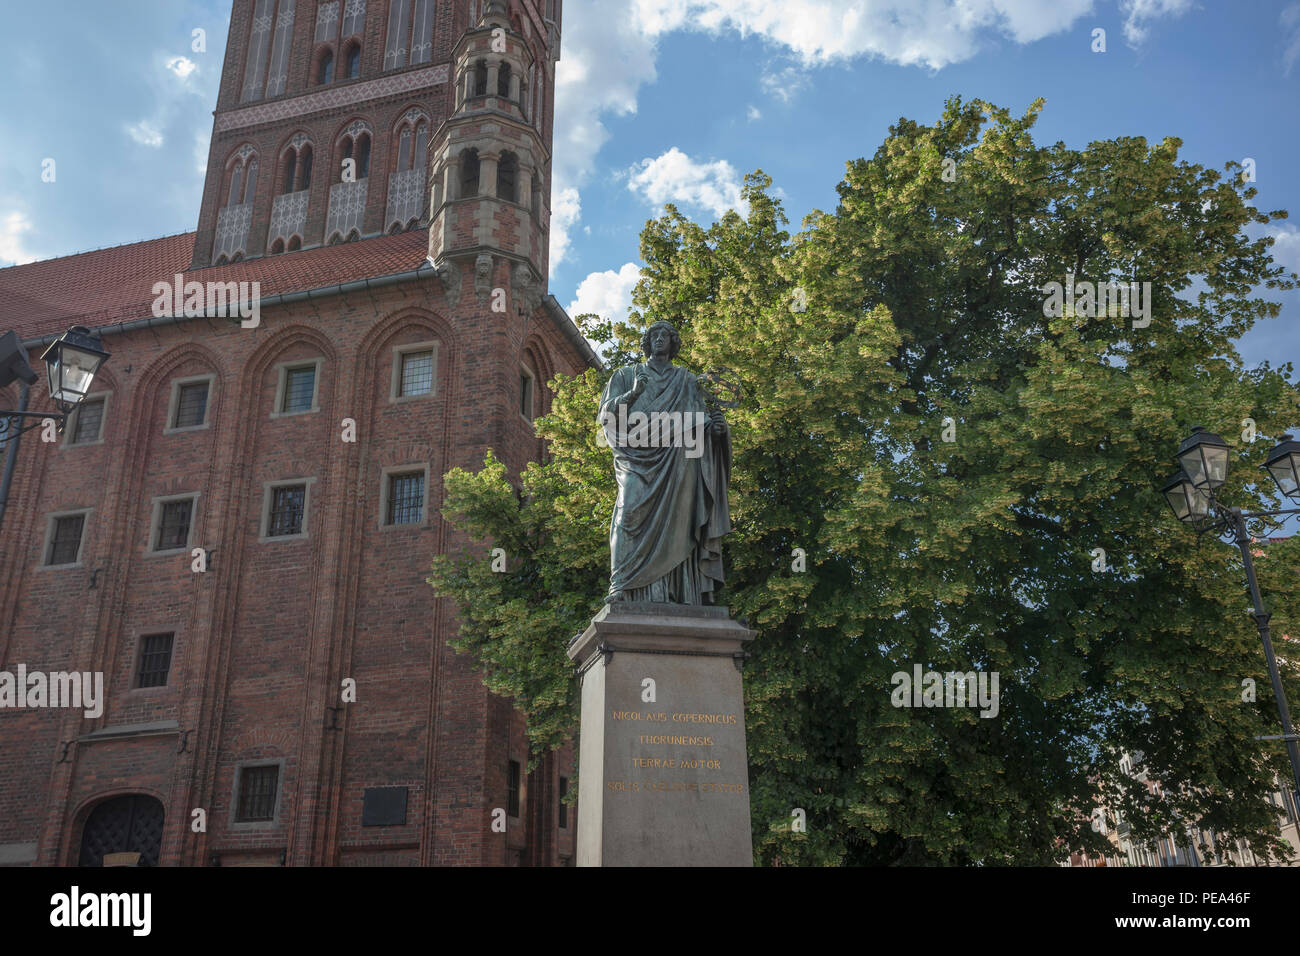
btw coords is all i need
(662, 782)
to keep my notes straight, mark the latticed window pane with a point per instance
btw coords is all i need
(174, 525)
(354, 16)
(422, 32)
(399, 27)
(66, 542)
(257, 787)
(287, 505)
(404, 150)
(259, 45)
(192, 405)
(250, 185)
(406, 499)
(155, 660)
(299, 385)
(417, 373)
(90, 415)
(327, 21)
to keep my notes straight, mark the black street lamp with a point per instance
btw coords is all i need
(71, 363)
(1191, 494)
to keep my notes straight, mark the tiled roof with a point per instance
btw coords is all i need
(115, 285)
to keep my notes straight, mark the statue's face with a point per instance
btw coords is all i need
(661, 342)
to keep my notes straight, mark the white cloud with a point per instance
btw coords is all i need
(12, 249)
(753, 113)
(931, 33)
(675, 177)
(1138, 14)
(1286, 247)
(608, 294)
(785, 84)
(609, 50)
(566, 210)
(181, 66)
(145, 134)
(1291, 24)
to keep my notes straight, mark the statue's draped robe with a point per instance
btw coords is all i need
(664, 536)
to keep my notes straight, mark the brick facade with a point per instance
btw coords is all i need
(266, 636)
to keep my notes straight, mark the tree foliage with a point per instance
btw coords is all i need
(925, 308)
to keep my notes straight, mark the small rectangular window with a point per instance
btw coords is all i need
(65, 543)
(406, 498)
(287, 505)
(564, 807)
(417, 373)
(90, 418)
(299, 389)
(155, 660)
(191, 405)
(526, 395)
(257, 790)
(174, 525)
(512, 789)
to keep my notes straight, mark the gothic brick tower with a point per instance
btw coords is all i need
(325, 114)
(380, 169)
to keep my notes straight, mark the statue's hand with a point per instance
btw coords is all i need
(718, 424)
(638, 386)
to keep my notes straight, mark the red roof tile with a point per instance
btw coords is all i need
(115, 285)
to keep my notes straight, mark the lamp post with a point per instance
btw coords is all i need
(71, 363)
(1203, 458)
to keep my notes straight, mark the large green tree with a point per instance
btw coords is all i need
(925, 463)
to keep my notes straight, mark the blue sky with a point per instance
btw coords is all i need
(675, 100)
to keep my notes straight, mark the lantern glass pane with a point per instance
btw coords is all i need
(1193, 465)
(1286, 472)
(71, 375)
(1178, 501)
(1216, 464)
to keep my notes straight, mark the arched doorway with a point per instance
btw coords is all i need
(132, 823)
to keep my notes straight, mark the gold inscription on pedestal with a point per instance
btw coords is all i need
(684, 762)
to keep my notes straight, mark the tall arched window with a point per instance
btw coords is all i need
(409, 39)
(243, 177)
(351, 182)
(354, 61)
(289, 207)
(325, 74)
(469, 173)
(480, 78)
(412, 141)
(234, 217)
(503, 80)
(354, 145)
(508, 177)
(407, 195)
(266, 67)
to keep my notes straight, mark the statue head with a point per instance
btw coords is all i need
(673, 348)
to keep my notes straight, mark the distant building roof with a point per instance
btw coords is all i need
(113, 285)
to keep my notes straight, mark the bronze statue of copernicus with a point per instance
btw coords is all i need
(672, 459)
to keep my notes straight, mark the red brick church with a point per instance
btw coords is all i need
(236, 526)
